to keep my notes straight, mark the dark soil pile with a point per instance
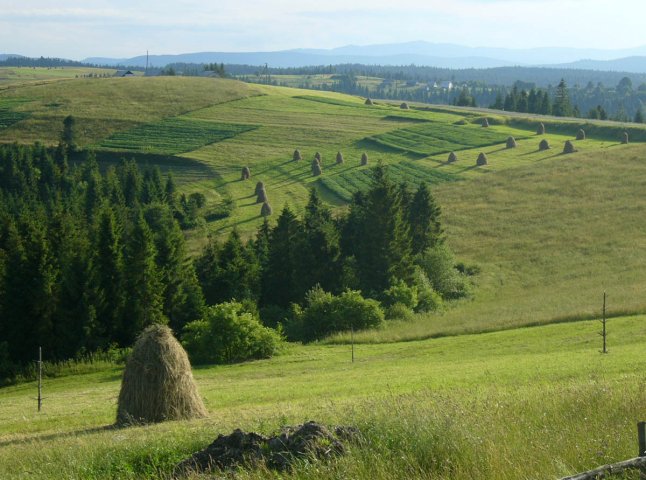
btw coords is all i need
(310, 441)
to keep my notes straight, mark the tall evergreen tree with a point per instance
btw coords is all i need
(561, 106)
(424, 221)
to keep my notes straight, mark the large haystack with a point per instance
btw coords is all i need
(544, 145)
(246, 173)
(541, 129)
(511, 142)
(624, 138)
(568, 147)
(364, 158)
(297, 155)
(482, 159)
(261, 196)
(259, 187)
(404, 106)
(317, 155)
(368, 101)
(157, 382)
(316, 168)
(266, 210)
(339, 158)
(580, 135)
(452, 157)
(485, 122)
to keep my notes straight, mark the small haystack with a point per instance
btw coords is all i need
(404, 106)
(624, 138)
(568, 147)
(544, 145)
(157, 382)
(580, 135)
(297, 155)
(511, 142)
(339, 158)
(261, 196)
(246, 173)
(368, 101)
(452, 157)
(482, 159)
(317, 156)
(485, 122)
(316, 168)
(259, 187)
(364, 158)
(541, 129)
(265, 210)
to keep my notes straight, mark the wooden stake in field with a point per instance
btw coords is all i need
(603, 323)
(40, 378)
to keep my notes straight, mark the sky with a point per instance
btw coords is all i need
(77, 29)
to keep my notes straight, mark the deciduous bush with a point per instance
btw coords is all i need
(325, 313)
(438, 263)
(228, 333)
(401, 293)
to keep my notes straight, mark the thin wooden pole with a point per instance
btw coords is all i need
(641, 434)
(352, 340)
(603, 322)
(40, 378)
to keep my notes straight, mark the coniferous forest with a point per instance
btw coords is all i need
(90, 256)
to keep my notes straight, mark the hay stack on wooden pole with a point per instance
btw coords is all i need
(580, 135)
(482, 159)
(485, 122)
(624, 138)
(368, 101)
(297, 155)
(316, 168)
(265, 210)
(261, 196)
(364, 158)
(260, 186)
(339, 158)
(404, 106)
(511, 142)
(568, 147)
(541, 129)
(452, 157)
(157, 382)
(544, 145)
(246, 173)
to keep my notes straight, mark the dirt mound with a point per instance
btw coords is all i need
(311, 441)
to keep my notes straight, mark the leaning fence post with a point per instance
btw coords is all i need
(641, 432)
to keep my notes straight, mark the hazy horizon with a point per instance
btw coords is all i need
(116, 28)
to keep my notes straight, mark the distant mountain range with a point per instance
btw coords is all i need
(418, 53)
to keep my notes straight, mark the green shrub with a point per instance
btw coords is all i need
(438, 264)
(325, 313)
(228, 333)
(399, 311)
(428, 300)
(401, 293)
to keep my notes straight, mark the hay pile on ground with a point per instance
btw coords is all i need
(368, 101)
(364, 158)
(297, 155)
(568, 147)
(511, 142)
(404, 106)
(482, 159)
(452, 157)
(265, 210)
(541, 129)
(309, 443)
(624, 138)
(316, 168)
(485, 122)
(246, 173)
(339, 158)
(580, 135)
(317, 156)
(157, 382)
(544, 145)
(259, 187)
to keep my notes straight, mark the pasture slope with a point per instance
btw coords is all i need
(549, 233)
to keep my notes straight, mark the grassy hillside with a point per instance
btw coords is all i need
(463, 407)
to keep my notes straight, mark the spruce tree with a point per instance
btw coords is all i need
(561, 106)
(424, 221)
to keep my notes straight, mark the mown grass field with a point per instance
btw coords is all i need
(528, 403)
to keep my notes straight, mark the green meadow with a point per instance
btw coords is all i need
(506, 384)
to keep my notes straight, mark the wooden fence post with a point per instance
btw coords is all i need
(641, 433)
(40, 378)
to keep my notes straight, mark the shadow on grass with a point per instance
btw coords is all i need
(55, 436)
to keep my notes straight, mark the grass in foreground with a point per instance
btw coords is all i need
(529, 403)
